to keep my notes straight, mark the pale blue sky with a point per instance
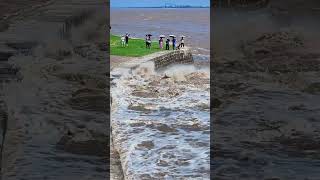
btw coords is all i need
(146, 3)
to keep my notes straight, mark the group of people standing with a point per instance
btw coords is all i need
(125, 41)
(174, 43)
(161, 42)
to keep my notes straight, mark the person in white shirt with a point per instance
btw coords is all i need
(123, 43)
(182, 42)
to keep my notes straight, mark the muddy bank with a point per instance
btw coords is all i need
(265, 99)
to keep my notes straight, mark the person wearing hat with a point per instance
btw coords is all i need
(127, 39)
(161, 43)
(168, 44)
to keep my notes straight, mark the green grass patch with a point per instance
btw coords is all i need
(136, 48)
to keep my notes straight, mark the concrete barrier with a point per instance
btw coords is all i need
(183, 56)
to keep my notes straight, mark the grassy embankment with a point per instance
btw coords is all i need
(136, 48)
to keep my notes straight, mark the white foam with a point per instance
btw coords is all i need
(188, 157)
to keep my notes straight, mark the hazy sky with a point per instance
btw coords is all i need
(146, 3)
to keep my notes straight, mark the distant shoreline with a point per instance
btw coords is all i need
(161, 7)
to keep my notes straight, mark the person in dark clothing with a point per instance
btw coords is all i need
(127, 39)
(182, 42)
(173, 43)
(178, 47)
(148, 41)
(167, 44)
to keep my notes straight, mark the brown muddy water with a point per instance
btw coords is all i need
(193, 23)
(161, 121)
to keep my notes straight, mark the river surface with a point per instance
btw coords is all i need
(194, 23)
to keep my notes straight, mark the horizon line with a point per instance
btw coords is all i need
(161, 7)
